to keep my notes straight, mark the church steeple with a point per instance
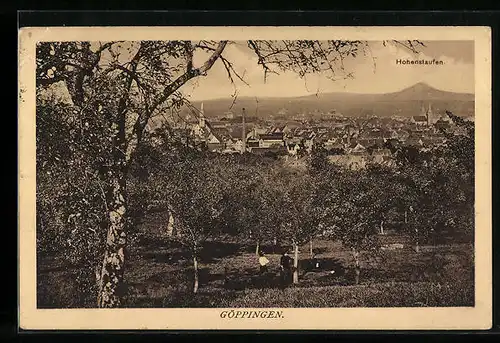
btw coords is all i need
(202, 117)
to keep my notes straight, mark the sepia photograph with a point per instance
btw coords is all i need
(255, 176)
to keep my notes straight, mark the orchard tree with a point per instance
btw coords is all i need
(242, 197)
(71, 197)
(301, 211)
(126, 84)
(196, 194)
(354, 203)
(414, 179)
(438, 186)
(268, 207)
(461, 154)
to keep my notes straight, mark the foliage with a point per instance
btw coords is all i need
(301, 210)
(437, 187)
(356, 202)
(71, 204)
(88, 147)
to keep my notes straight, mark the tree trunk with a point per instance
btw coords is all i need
(406, 217)
(111, 278)
(257, 248)
(381, 227)
(275, 242)
(195, 265)
(311, 248)
(357, 266)
(417, 246)
(171, 225)
(111, 281)
(295, 263)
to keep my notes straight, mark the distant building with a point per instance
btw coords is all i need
(293, 148)
(229, 115)
(426, 117)
(270, 140)
(413, 141)
(277, 129)
(349, 161)
(442, 124)
(256, 132)
(429, 116)
(358, 149)
(419, 120)
(215, 138)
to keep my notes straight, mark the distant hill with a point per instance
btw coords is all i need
(423, 92)
(407, 102)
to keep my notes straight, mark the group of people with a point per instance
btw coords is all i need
(286, 265)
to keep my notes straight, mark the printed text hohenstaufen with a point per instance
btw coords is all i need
(418, 62)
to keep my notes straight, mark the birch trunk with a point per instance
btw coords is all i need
(381, 227)
(170, 225)
(195, 265)
(406, 217)
(357, 266)
(111, 281)
(295, 263)
(257, 249)
(111, 278)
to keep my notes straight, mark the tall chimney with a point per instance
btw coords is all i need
(243, 132)
(429, 116)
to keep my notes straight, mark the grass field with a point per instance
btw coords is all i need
(160, 274)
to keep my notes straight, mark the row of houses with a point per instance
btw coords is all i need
(294, 137)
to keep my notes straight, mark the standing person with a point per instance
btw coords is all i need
(263, 262)
(315, 263)
(285, 269)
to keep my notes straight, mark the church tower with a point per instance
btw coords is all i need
(201, 121)
(429, 116)
(422, 109)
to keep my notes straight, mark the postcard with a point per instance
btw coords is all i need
(270, 178)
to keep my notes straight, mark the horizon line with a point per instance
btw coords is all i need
(334, 92)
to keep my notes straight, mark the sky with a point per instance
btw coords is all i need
(375, 72)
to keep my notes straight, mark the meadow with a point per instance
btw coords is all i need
(160, 274)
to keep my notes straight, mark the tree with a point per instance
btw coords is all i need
(71, 199)
(318, 160)
(301, 211)
(127, 84)
(196, 193)
(127, 92)
(355, 201)
(438, 186)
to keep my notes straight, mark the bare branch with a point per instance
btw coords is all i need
(262, 59)
(234, 96)
(189, 56)
(188, 75)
